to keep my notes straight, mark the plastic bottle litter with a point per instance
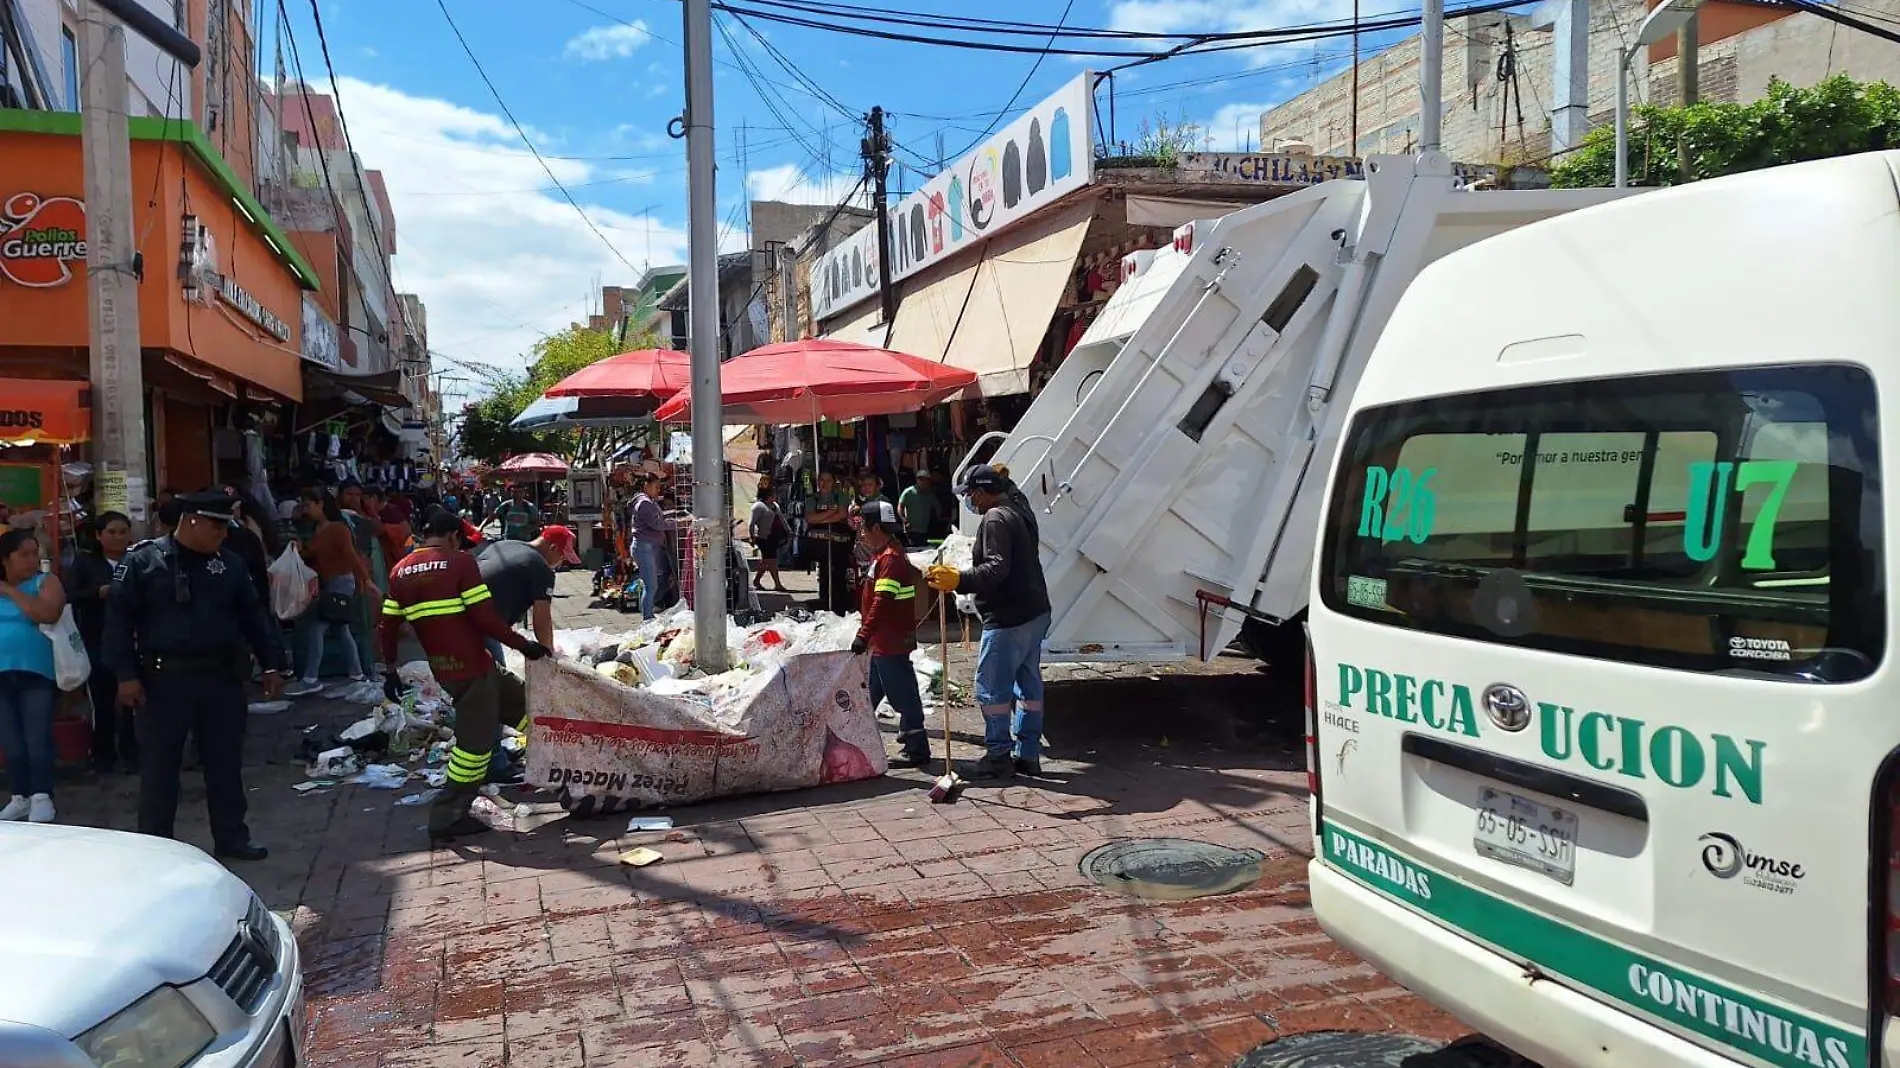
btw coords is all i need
(333, 763)
(382, 777)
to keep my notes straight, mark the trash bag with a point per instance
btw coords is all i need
(292, 585)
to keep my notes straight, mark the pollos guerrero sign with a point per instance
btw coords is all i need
(41, 238)
(1043, 156)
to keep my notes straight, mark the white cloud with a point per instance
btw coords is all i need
(496, 272)
(608, 42)
(1236, 127)
(787, 183)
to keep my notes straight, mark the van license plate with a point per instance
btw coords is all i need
(1517, 830)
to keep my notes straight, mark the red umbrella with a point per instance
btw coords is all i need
(816, 379)
(532, 465)
(657, 373)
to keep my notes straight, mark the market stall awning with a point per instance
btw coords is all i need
(547, 412)
(533, 465)
(651, 373)
(45, 411)
(818, 379)
(1173, 211)
(867, 327)
(991, 317)
(384, 388)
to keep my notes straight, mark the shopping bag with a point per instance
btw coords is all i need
(292, 585)
(71, 666)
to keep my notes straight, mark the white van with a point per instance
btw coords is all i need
(1603, 739)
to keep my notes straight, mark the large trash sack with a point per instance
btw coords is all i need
(604, 746)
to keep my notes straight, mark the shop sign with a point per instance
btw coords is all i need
(1290, 169)
(246, 305)
(203, 282)
(41, 238)
(1043, 156)
(319, 336)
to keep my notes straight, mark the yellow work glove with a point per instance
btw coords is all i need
(942, 577)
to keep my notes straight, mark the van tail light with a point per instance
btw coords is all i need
(1312, 727)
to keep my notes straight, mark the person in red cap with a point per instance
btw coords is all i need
(520, 575)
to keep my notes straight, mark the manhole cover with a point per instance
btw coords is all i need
(1345, 1049)
(1171, 869)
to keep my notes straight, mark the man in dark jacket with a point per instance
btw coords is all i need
(1012, 599)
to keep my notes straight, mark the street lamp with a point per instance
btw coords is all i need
(1664, 20)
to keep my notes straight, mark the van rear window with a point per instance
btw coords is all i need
(1721, 521)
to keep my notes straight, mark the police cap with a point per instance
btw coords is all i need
(219, 506)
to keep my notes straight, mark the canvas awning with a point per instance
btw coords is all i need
(1173, 211)
(45, 411)
(991, 316)
(864, 327)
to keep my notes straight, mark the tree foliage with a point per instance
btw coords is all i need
(1838, 117)
(486, 434)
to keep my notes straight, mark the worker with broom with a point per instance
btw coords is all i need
(1012, 599)
(887, 607)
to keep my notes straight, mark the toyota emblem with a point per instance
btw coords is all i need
(1507, 706)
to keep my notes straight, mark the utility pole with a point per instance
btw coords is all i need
(113, 266)
(1431, 74)
(1688, 79)
(788, 292)
(877, 166)
(711, 529)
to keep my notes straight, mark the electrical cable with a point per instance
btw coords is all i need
(523, 134)
(1836, 16)
(1020, 86)
(343, 120)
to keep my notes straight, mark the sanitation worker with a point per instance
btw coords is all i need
(1012, 599)
(887, 606)
(438, 590)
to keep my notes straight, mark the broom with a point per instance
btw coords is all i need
(945, 790)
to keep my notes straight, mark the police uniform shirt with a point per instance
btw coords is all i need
(146, 617)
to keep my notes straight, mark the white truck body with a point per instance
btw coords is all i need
(1182, 446)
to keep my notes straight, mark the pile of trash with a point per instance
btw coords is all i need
(399, 742)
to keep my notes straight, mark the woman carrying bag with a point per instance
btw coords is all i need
(341, 573)
(29, 598)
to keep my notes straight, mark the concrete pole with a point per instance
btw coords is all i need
(1689, 81)
(788, 293)
(1570, 75)
(1623, 117)
(1431, 74)
(118, 378)
(711, 528)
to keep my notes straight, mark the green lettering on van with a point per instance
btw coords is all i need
(1428, 704)
(1708, 500)
(1350, 682)
(1407, 695)
(1553, 729)
(1779, 475)
(1372, 507)
(1631, 733)
(1590, 730)
(1744, 769)
(1464, 720)
(1378, 693)
(1677, 757)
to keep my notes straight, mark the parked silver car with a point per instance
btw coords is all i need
(125, 951)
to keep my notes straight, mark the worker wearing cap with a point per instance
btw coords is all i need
(1012, 598)
(520, 575)
(887, 610)
(438, 590)
(182, 624)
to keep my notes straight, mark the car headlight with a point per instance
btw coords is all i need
(163, 1029)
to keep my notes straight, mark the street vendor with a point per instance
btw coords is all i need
(1012, 598)
(887, 604)
(438, 590)
(647, 520)
(827, 524)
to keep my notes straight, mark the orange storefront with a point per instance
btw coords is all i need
(220, 291)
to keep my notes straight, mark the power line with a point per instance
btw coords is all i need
(370, 209)
(523, 134)
(1020, 86)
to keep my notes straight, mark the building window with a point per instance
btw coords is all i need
(69, 65)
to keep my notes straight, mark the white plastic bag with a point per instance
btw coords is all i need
(292, 585)
(71, 666)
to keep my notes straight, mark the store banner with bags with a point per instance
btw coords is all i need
(603, 745)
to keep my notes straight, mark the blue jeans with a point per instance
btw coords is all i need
(647, 556)
(320, 628)
(893, 679)
(1009, 675)
(27, 701)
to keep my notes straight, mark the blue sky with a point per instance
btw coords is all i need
(499, 256)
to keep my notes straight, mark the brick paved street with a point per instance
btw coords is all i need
(840, 926)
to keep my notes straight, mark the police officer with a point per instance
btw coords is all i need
(182, 624)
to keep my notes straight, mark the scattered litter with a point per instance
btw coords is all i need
(382, 777)
(314, 784)
(367, 692)
(640, 858)
(333, 763)
(422, 798)
(269, 708)
(650, 823)
(436, 777)
(361, 728)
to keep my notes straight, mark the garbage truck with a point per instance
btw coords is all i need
(1177, 458)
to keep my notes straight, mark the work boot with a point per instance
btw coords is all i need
(245, 851)
(995, 766)
(913, 760)
(1028, 768)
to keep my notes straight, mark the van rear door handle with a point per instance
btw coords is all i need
(1588, 793)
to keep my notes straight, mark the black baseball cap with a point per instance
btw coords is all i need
(984, 477)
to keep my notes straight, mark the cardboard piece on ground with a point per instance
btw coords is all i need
(640, 858)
